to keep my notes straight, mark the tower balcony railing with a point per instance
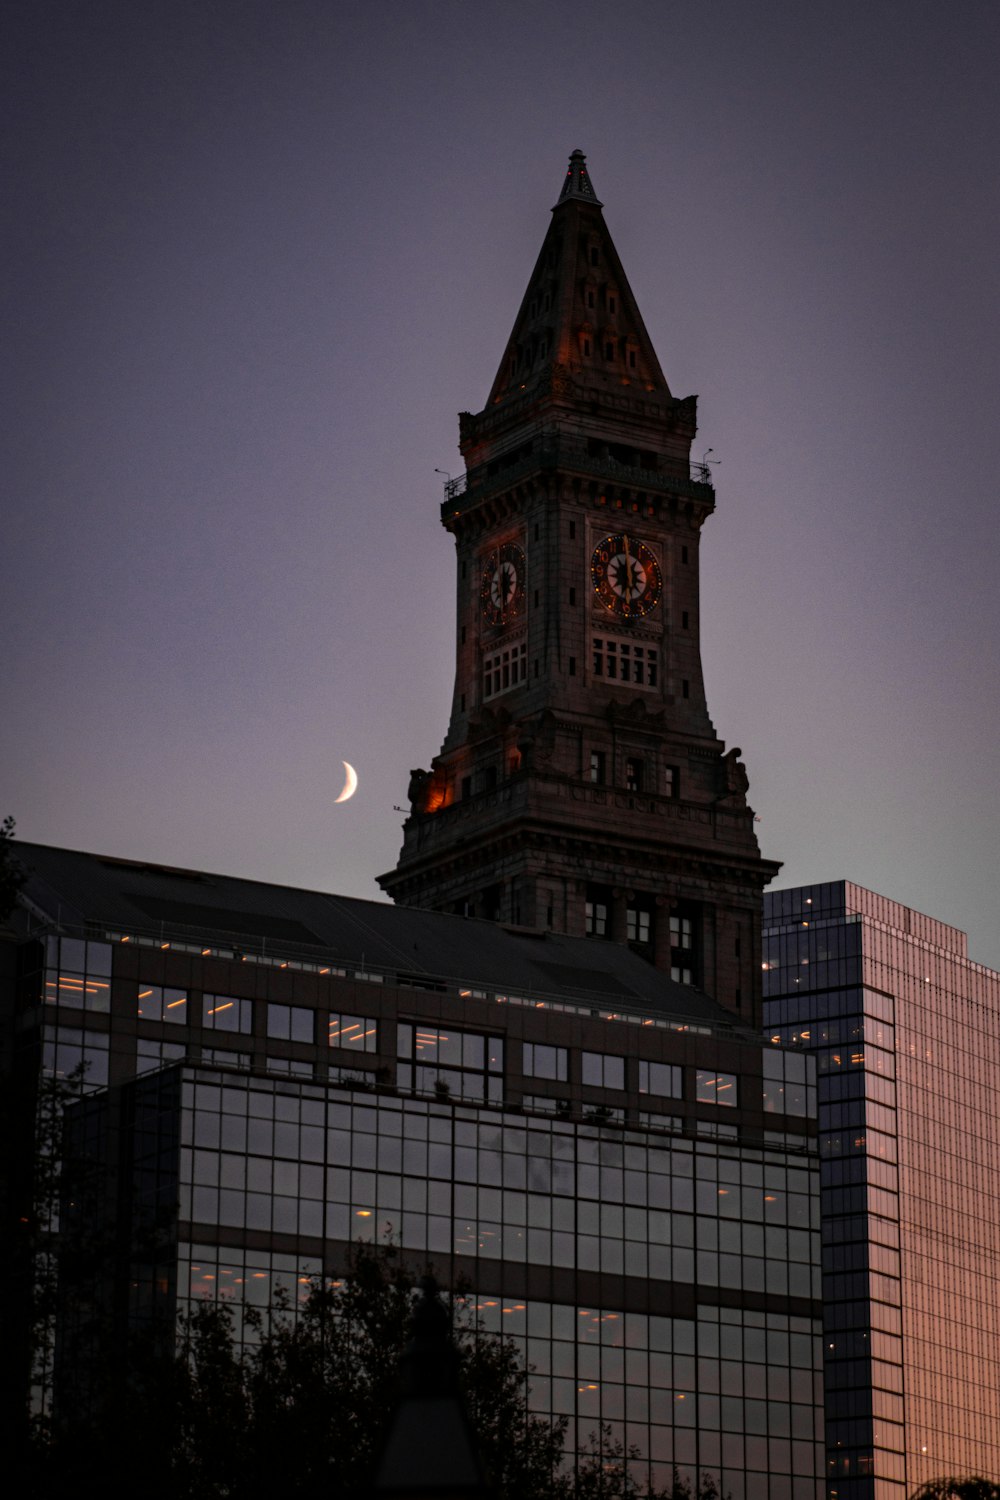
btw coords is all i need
(559, 452)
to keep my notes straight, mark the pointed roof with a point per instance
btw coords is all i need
(579, 320)
(578, 183)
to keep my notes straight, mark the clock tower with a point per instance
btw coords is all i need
(581, 787)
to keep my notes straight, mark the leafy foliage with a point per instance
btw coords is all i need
(303, 1407)
(308, 1402)
(609, 1471)
(27, 1251)
(12, 873)
(958, 1489)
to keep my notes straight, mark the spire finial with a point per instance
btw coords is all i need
(578, 184)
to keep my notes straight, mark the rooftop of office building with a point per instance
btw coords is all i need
(130, 901)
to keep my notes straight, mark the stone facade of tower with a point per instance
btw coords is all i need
(581, 786)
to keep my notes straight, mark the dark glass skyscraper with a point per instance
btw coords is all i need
(906, 1035)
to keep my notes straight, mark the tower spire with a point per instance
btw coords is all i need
(577, 183)
(578, 320)
(581, 787)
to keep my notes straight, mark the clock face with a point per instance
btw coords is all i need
(502, 591)
(626, 576)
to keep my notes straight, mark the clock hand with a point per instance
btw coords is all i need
(628, 578)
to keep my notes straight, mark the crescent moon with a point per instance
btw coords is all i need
(350, 785)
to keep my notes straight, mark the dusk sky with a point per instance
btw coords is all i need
(258, 257)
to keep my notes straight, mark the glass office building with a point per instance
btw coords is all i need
(622, 1173)
(640, 1273)
(906, 1035)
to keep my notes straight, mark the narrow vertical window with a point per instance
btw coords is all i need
(596, 910)
(682, 946)
(639, 924)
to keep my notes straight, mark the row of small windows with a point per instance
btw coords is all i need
(639, 929)
(611, 349)
(612, 661)
(289, 1023)
(623, 661)
(634, 776)
(505, 669)
(605, 1070)
(446, 1063)
(432, 1056)
(640, 920)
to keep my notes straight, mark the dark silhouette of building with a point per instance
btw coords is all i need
(581, 787)
(906, 1034)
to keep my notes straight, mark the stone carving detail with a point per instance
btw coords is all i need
(427, 789)
(637, 714)
(416, 791)
(561, 382)
(545, 737)
(737, 783)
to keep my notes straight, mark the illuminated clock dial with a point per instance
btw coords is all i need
(502, 591)
(626, 576)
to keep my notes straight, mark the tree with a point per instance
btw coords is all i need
(12, 873)
(303, 1407)
(309, 1399)
(609, 1471)
(973, 1488)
